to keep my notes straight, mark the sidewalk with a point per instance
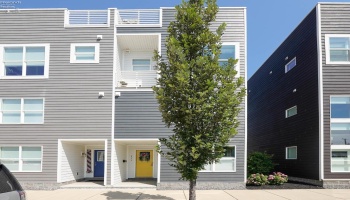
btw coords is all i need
(134, 194)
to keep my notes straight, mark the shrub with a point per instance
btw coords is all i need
(260, 162)
(257, 179)
(277, 178)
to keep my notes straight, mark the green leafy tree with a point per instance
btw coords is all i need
(198, 98)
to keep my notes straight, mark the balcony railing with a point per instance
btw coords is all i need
(136, 79)
(87, 18)
(145, 17)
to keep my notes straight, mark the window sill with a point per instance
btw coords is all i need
(85, 62)
(24, 77)
(217, 171)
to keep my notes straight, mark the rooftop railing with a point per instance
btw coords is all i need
(144, 17)
(87, 18)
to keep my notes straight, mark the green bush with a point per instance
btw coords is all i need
(277, 178)
(257, 179)
(260, 162)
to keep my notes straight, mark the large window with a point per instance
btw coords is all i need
(291, 152)
(229, 50)
(22, 111)
(85, 53)
(340, 160)
(141, 64)
(337, 49)
(226, 164)
(24, 61)
(22, 158)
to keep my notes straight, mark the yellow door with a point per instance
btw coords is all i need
(144, 163)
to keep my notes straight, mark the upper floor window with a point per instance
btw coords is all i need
(24, 61)
(291, 111)
(85, 53)
(340, 107)
(337, 49)
(141, 64)
(291, 65)
(22, 111)
(291, 152)
(229, 50)
(22, 158)
(226, 164)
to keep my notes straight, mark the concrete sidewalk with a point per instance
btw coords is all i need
(141, 194)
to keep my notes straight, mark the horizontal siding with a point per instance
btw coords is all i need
(72, 107)
(270, 93)
(335, 19)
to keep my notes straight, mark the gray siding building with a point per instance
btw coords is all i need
(76, 100)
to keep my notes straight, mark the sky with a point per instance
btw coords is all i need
(269, 22)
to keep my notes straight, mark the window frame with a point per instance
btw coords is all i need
(327, 48)
(212, 166)
(73, 52)
(22, 111)
(286, 65)
(237, 50)
(150, 64)
(296, 152)
(24, 65)
(286, 112)
(20, 159)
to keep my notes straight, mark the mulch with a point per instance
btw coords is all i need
(289, 185)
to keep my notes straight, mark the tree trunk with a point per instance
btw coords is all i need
(192, 191)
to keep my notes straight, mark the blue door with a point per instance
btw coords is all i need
(99, 163)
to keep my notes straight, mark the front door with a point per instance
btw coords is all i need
(144, 164)
(99, 163)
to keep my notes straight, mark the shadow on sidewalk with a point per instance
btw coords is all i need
(116, 195)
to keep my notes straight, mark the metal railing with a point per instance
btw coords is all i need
(135, 79)
(144, 17)
(87, 18)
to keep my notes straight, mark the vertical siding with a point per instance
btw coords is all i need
(270, 93)
(72, 107)
(335, 19)
(120, 154)
(137, 114)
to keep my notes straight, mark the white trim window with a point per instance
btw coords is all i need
(291, 153)
(230, 50)
(337, 48)
(226, 164)
(85, 53)
(24, 61)
(290, 65)
(22, 158)
(291, 111)
(21, 111)
(141, 64)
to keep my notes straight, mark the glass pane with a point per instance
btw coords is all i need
(33, 118)
(339, 42)
(9, 152)
(31, 152)
(141, 68)
(339, 55)
(11, 118)
(35, 53)
(225, 165)
(227, 51)
(340, 107)
(341, 161)
(141, 62)
(85, 57)
(100, 156)
(87, 49)
(35, 68)
(292, 153)
(292, 64)
(292, 111)
(33, 104)
(12, 165)
(13, 69)
(230, 152)
(340, 134)
(223, 63)
(13, 54)
(30, 165)
(11, 104)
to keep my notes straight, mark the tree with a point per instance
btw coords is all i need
(198, 97)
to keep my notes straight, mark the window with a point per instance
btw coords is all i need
(24, 61)
(291, 152)
(337, 49)
(22, 111)
(141, 64)
(340, 161)
(291, 111)
(340, 107)
(291, 65)
(229, 50)
(85, 53)
(340, 133)
(227, 162)
(22, 158)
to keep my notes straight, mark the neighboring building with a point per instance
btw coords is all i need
(76, 97)
(299, 100)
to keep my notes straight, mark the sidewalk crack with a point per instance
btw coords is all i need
(230, 194)
(277, 195)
